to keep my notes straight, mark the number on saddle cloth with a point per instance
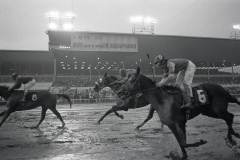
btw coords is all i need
(32, 96)
(200, 96)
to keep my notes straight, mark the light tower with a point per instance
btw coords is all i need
(235, 34)
(143, 25)
(60, 21)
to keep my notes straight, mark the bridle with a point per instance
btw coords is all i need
(139, 91)
(104, 84)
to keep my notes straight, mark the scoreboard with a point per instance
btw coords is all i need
(103, 42)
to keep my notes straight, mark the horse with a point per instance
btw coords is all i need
(168, 105)
(130, 103)
(33, 100)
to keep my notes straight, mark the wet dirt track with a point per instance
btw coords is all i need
(113, 139)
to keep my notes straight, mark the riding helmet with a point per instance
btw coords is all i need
(122, 71)
(159, 58)
(14, 75)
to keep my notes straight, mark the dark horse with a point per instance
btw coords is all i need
(129, 103)
(41, 98)
(168, 106)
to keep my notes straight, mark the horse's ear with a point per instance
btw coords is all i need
(138, 70)
(105, 74)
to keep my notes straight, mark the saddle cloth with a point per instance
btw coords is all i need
(199, 94)
(32, 96)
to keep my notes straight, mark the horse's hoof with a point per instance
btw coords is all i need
(203, 141)
(231, 142)
(121, 116)
(60, 127)
(34, 127)
(184, 158)
(97, 123)
(137, 129)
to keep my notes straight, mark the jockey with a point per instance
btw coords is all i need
(27, 81)
(184, 69)
(126, 74)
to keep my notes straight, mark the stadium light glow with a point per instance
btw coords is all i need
(67, 26)
(53, 14)
(236, 26)
(68, 16)
(53, 25)
(143, 25)
(140, 19)
(62, 21)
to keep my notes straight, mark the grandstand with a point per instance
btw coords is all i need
(78, 59)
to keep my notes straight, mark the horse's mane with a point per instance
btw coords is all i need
(4, 87)
(170, 89)
(149, 79)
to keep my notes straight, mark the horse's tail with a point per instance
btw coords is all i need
(66, 97)
(233, 99)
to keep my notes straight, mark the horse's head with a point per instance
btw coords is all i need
(4, 92)
(136, 83)
(3, 89)
(130, 87)
(100, 84)
(106, 81)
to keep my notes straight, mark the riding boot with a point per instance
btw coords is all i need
(24, 96)
(190, 103)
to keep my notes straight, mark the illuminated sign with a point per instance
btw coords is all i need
(103, 42)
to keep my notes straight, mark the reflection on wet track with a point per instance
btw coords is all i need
(113, 139)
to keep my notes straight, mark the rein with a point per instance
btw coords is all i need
(139, 91)
(108, 85)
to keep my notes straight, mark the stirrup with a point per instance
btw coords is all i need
(187, 106)
(139, 94)
(23, 100)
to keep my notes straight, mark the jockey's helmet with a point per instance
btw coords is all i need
(122, 72)
(14, 76)
(159, 58)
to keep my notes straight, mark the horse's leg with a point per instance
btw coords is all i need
(180, 141)
(2, 113)
(116, 108)
(6, 115)
(107, 113)
(229, 123)
(43, 114)
(228, 117)
(181, 130)
(150, 115)
(54, 110)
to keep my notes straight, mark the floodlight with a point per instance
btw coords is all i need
(52, 15)
(53, 25)
(60, 19)
(67, 26)
(68, 16)
(236, 26)
(141, 24)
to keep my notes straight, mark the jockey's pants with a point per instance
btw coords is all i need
(185, 78)
(29, 85)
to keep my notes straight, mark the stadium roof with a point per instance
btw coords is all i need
(26, 55)
(197, 49)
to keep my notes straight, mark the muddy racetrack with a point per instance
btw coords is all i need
(113, 139)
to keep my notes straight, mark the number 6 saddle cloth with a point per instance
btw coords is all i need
(200, 96)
